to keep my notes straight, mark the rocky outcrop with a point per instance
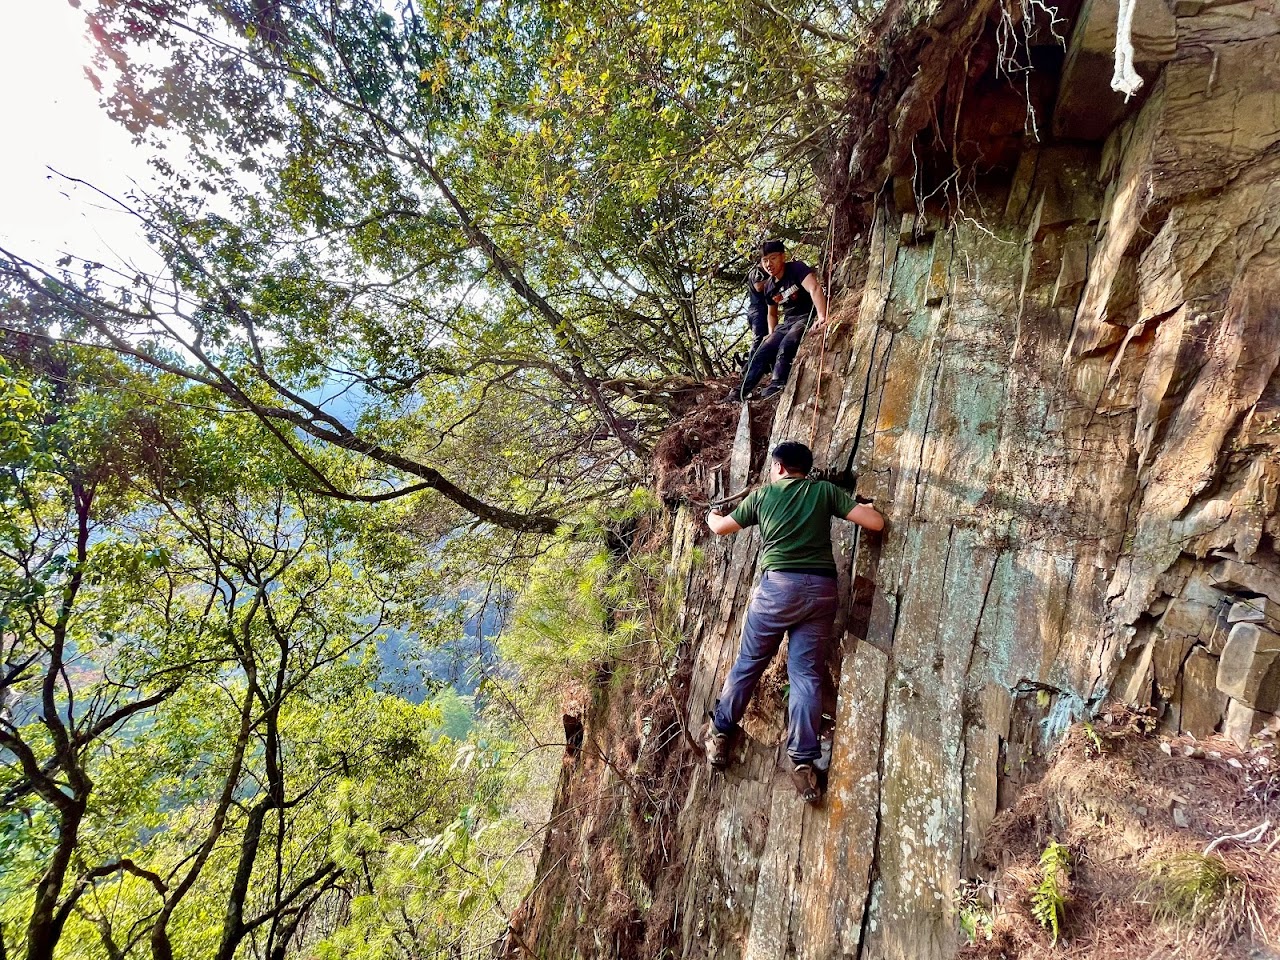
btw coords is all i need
(1059, 385)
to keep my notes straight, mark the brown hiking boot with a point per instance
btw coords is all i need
(718, 746)
(806, 782)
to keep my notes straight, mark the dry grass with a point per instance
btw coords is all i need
(1138, 817)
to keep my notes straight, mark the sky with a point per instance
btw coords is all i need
(50, 117)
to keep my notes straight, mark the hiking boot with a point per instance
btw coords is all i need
(807, 783)
(718, 746)
(733, 396)
(772, 390)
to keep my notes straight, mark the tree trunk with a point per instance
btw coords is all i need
(45, 926)
(1059, 386)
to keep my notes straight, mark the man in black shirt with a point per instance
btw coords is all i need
(757, 320)
(794, 291)
(757, 306)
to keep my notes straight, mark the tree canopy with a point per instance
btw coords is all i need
(481, 225)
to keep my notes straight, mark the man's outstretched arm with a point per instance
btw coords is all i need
(865, 516)
(814, 286)
(722, 525)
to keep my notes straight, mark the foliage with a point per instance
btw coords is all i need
(1190, 887)
(1093, 740)
(974, 911)
(562, 625)
(197, 758)
(432, 280)
(450, 220)
(1049, 896)
(594, 601)
(457, 716)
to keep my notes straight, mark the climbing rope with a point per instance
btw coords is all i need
(1125, 79)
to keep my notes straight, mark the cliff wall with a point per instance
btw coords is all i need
(1058, 383)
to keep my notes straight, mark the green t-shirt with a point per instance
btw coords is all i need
(795, 521)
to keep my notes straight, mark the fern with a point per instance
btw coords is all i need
(1049, 898)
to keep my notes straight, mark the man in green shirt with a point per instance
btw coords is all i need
(796, 595)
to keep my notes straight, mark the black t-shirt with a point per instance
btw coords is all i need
(788, 293)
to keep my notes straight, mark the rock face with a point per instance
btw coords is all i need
(1249, 669)
(1063, 396)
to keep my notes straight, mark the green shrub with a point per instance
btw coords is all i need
(1190, 887)
(561, 623)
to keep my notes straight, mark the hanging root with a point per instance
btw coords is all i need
(1014, 35)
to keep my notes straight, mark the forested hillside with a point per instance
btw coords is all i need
(419, 394)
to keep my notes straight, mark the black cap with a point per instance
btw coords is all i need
(772, 246)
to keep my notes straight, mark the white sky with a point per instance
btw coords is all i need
(50, 117)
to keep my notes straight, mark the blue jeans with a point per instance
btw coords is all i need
(804, 605)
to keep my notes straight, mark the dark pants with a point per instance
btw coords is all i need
(759, 324)
(805, 606)
(778, 349)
